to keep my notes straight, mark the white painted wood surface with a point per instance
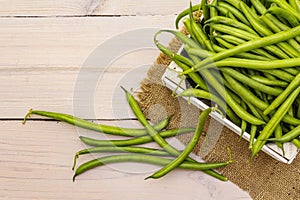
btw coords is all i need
(43, 45)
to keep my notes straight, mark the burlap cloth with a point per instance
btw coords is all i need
(264, 179)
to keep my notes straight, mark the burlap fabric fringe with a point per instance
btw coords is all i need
(264, 179)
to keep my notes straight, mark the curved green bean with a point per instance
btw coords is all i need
(134, 141)
(146, 159)
(280, 98)
(294, 133)
(96, 127)
(115, 149)
(185, 13)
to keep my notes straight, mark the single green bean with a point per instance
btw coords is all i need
(279, 99)
(278, 134)
(134, 141)
(185, 13)
(96, 127)
(256, 64)
(292, 70)
(279, 73)
(238, 41)
(114, 149)
(296, 142)
(146, 159)
(268, 81)
(253, 131)
(294, 133)
(274, 121)
(205, 9)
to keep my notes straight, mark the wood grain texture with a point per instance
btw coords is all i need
(90, 7)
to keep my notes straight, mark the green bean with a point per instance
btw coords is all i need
(243, 123)
(293, 71)
(205, 9)
(294, 133)
(96, 127)
(189, 148)
(250, 82)
(200, 35)
(244, 93)
(188, 27)
(253, 131)
(238, 41)
(212, 9)
(235, 12)
(204, 53)
(185, 13)
(180, 36)
(279, 74)
(268, 81)
(184, 66)
(296, 142)
(134, 141)
(274, 121)
(297, 2)
(290, 120)
(278, 134)
(247, 46)
(257, 64)
(242, 55)
(114, 149)
(292, 19)
(146, 159)
(279, 99)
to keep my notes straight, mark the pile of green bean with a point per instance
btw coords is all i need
(244, 55)
(129, 149)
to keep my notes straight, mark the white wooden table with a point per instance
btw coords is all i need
(43, 46)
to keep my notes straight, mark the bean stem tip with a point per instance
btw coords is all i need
(27, 116)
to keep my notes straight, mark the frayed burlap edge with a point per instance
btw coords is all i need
(264, 179)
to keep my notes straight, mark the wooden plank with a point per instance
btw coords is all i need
(55, 91)
(90, 7)
(35, 43)
(36, 161)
